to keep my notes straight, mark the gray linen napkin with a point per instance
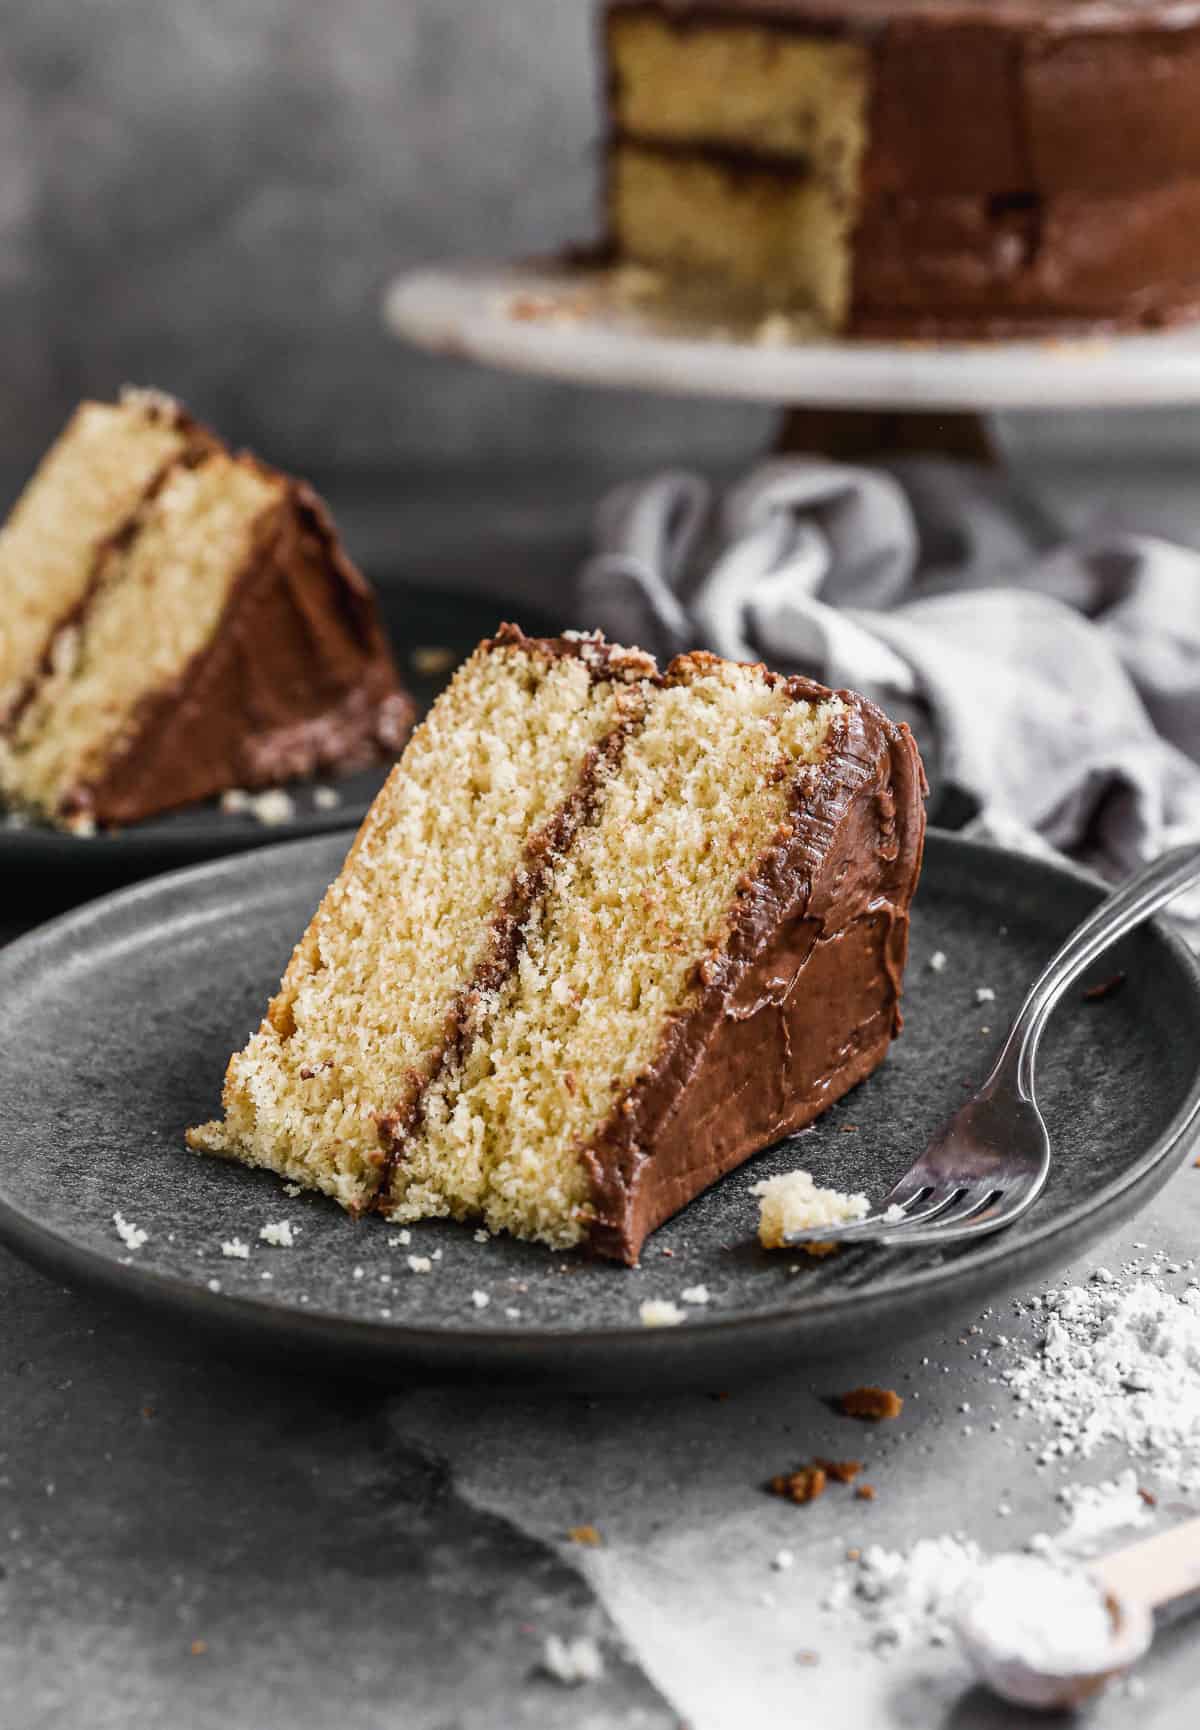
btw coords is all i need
(1054, 687)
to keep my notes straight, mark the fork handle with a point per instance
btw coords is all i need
(1169, 875)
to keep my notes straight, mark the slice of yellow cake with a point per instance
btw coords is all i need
(605, 933)
(175, 620)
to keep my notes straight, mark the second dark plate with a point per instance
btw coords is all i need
(418, 619)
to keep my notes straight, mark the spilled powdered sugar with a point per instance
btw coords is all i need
(1115, 1365)
(1118, 1365)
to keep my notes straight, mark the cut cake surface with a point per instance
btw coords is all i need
(605, 933)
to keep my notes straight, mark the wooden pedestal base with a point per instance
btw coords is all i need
(858, 435)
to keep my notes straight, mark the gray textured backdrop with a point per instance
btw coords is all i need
(211, 196)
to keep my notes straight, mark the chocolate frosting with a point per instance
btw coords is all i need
(298, 679)
(1030, 163)
(801, 1001)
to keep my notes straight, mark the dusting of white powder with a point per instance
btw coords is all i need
(1096, 1511)
(1117, 1365)
(1041, 1615)
(572, 1661)
(906, 1598)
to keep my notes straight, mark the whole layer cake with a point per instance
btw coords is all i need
(605, 933)
(913, 167)
(176, 620)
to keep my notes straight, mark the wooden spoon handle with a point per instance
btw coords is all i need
(1156, 1570)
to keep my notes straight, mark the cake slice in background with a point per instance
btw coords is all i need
(605, 933)
(177, 621)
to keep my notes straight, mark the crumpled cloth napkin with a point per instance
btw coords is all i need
(1054, 686)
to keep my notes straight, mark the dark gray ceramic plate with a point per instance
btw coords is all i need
(417, 618)
(116, 1022)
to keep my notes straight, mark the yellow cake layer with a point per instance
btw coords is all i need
(364, 1009)
(777, 238)
(647, 892)
(738, 84)
(157, 604)
(87, 486)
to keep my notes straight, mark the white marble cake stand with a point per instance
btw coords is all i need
(574, 323)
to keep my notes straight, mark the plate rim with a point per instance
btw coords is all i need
(372, 1338)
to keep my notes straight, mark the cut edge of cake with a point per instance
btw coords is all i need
(491, 787)
(630, 1028)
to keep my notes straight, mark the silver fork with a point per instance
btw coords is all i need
(990, 1162)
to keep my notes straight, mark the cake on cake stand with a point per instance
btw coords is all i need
(617, 327)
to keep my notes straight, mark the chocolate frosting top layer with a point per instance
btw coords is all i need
(1031, 17)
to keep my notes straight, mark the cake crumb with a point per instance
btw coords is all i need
(233, 801)
(199, 1648)
(430, 659)
(865, 1492)
(937, 961)
(800, 1486)
(572, 1661)
(512, 1314)
(660, 1313)
(482, 1236)
(280, 1233)
(399, 1238)
(132, 1236)
(292, 1189)
(841, 1471)
(586, 1535)
(782, 1560)
(326, 798)
(480, 1300)
(696, 1294)
(792, 1202)
(420, 1264)
(776, 330)
(984, 994)
(273, 807)
(871, 1403)
(235, 1249)
(214, 1285)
